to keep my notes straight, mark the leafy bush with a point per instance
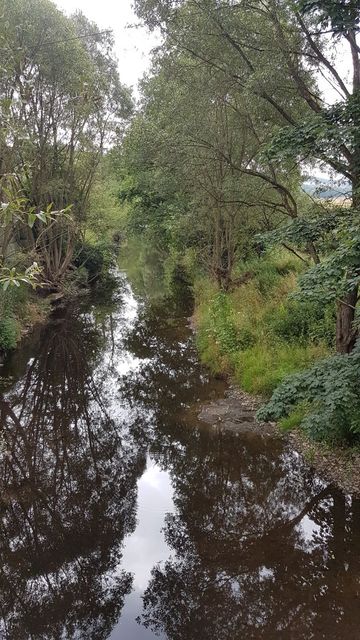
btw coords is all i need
(331, 391)
(14, 309)
(13, 300)
(302, 322)
(270, 268)
(9, 333)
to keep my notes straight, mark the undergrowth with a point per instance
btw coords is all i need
(324, 399)
(256, 332)
(275, 345)
(19, 308)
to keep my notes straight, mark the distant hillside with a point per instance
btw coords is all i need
(326, 188)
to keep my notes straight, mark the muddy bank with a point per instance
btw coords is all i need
(236, 412)
(339, 465)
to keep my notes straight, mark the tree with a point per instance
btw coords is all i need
(195, 152)
(296, 38)
(69, 477)
(61, 104)
(245, 559)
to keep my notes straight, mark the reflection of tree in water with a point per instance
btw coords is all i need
(261, 549)
(171, 378)
(68, 493)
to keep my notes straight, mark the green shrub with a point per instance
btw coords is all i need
(330, 389)
(9, 333)
(95, 258)
(303, 322)
(13, 300)
(13, 310)
(269, 269)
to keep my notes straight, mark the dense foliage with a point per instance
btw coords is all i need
(232, 114)
(61, 106)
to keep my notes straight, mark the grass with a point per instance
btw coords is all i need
(294, 419)
(261, 368)
(20, 309)
(255, 333)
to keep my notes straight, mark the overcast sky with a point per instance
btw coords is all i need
(132, 45)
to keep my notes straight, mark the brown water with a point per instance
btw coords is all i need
(124, 518)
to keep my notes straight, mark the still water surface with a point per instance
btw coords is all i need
(125, 518)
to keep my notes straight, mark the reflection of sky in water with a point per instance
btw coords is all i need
(309, 529)
(117, 361)
(145, 548)
(255, 538)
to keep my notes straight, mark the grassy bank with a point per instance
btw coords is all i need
(256, 332)
(22, 307)
(20, 310)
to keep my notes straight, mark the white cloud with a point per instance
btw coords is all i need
(132, 45)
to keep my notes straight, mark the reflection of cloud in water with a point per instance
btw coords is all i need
(146, 547)
(112, 494)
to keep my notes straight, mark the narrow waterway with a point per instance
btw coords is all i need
(124, 517)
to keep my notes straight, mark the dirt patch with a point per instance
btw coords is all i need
(237, 412)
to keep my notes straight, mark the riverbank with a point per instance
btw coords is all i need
(21, 311)
(258, 334)
(236, 412)
(23, 308)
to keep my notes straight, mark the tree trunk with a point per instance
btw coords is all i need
(346, 334)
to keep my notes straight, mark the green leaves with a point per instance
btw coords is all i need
(330, 391)
(324, 135)
(13, 278)
(340, 15)
(314, 228)
(45, 216)
(339, 271)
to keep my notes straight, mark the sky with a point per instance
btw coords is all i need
(132, 45)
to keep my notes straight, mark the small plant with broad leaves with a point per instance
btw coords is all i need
(15, 210)
(330, 392)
